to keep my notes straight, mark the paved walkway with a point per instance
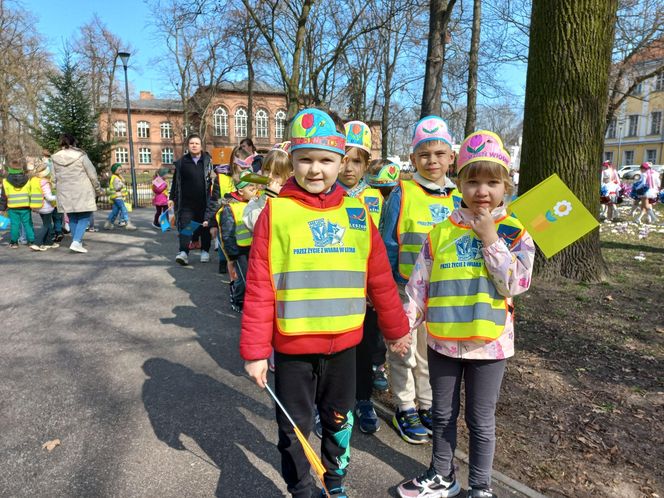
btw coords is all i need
(132, 363)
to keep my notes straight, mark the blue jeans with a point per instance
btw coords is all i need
(45, 235)
(118, 208)
(78, 222)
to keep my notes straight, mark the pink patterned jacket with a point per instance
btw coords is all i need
(509, 269)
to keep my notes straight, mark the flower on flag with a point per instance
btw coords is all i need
(562, 208)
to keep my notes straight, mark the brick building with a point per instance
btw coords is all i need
(158, 133)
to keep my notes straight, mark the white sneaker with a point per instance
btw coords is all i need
(108, 225)
(35, 247)
(205, 257)
(130, 226)
(77, 247)
(182, 258)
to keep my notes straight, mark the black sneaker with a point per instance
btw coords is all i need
(429, 485)
(425, 418)
(480, 493)
(318, 427)
(339, 492)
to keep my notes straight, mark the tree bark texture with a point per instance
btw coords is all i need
(473, 62)
(566, 99)
(439, 17)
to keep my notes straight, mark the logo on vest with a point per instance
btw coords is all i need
(357, 218)
(468, 248)
(439, 213)
(372, 204)
(325, 233)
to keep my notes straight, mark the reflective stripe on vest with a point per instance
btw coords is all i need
(36, 194)
(418, 214)
(373, 200)
(114, 194)
(318, 261)
(18, 198)
(243, 236)
(463, 302)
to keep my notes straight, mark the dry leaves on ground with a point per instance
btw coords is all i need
(50, 445)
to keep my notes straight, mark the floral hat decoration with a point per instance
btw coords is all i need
(358, 134)
(483, 145)
(315, 129)
(388, 176)
(282, 147)
(431, 128)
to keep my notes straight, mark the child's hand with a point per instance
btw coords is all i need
(257, 370)
(484, 226)
(274, 186)
(401, 346)
(205, 224)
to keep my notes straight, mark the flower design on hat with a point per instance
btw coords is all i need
(392, 171)
(475, 144)
(562, 208)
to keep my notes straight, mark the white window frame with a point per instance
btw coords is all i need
(262, 120)
(241, 117)
(167, 155)
(119, 128)
(220, 122)
(608, 155)
(656, 122)
(633, 125)
(143, 129)
(651, 158)
(631, 154)
(659, 82)
(166, 129)
(121, 155)
(279, 124)
(144, 155)
(611, 130)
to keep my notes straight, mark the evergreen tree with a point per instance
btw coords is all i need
(67, 108)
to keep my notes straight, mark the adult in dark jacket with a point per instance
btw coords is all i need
(190, 195)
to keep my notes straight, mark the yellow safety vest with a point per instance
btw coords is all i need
(318, 261)
(36, 194)
(23, 197)
(463, 302)
(226, 185)
(373, 200)
(243, 235)
(419, 213)
(114, 194)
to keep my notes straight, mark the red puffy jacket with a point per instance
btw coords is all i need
(259, 329)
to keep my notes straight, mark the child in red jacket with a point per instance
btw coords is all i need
(314, 258)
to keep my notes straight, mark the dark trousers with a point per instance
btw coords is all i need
(370, 352)
(57, 221)
(305, 381)
(239, 286)
(482, 380)
(44, 236)
(158, 211)
(185, 215)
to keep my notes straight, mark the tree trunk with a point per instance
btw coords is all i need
(471, 106)
(439, 16)
(566, 99)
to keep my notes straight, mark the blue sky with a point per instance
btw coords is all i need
(59, 20)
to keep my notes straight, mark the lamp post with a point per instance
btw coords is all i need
(124, 56)
(620, 125)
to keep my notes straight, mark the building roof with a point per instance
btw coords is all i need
(161, 105)
(242, 87)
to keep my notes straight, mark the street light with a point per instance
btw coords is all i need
(124, 56)
(620, 126)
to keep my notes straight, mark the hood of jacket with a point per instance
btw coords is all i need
(18, 180)
(67, 157)
(328, 199)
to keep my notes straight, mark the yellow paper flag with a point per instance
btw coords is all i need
(553, 215)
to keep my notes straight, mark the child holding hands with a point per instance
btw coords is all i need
(461, 288)
(315, 256)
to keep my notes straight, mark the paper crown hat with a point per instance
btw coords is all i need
(115, 167)
(483, 145)
(358, 135)
(241, 184)
(431, 128)
(388, 176)
(282, 147)
(314, 129)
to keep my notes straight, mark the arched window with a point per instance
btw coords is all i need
(220, 118)
(262, 124)
(241, 122)
(166, 130)
(120, 129)
(279, 124)
(143, 129)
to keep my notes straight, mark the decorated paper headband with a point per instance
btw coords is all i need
(431, 128)
(282, 147)
(388, 176)
(14, 171)
(358, 135)
(315, 129)
(241, 184)
(244, 163)
(483, 145)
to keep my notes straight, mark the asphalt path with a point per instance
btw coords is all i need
(132, 362)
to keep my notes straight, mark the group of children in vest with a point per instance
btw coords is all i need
(23, 193)
(342, 253)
